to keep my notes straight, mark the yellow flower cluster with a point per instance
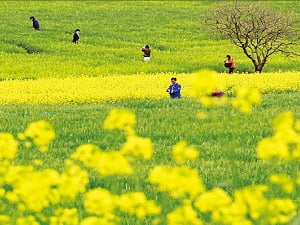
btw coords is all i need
(137, 204)
(35, 190)
(182, 152)
(285, 182)
(8, 146)
(39, 196)
(106, 163)
(138, 147)
(27, 220)
(121, 119)
(179, 182)
(102, 203)
(249, 206)
(25, 181)
(139, 86)
(65, 216)
(245, 98)
(285, 143)
(116, 162)
(41, 133)
(205, 83)
(184, 215)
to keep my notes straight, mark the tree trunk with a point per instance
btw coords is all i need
(259, 67)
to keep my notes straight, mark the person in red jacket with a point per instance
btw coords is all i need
(230, 63)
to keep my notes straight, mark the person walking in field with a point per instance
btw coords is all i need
(76, 36)
(174, 89)
(35, 23)
(229, 63)
(147, 52)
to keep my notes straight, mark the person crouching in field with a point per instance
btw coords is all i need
(147, 52)
(217, 94)
(174, 88)
(229, 63)
(76, 36)
(35, 23)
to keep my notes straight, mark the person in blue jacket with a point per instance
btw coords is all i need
(174, 88)
(35, 23)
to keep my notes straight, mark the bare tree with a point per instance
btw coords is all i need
(256, 29)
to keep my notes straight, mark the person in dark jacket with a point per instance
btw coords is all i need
(174, 88)
(76, 36)
(147, 52)
(35, 23)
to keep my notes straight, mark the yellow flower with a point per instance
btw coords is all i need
(41, 133)
(183, 215)
(37, 162)
(213, 200)
(121, 119)
(253, 198)
(4, 220)
(29, 220)
(2, 192)
(137, 204)
(100, 202)
(65, 216)
(284, 181)
(72, 181)
(8, 146)
(106, 163)
(138, 147)
(113, 163)
(87, 153)
(179, 182)
(204, 82)
(233, 213)
(35, 189)
(285, 143)
(297, 125)
(269, 148)
(93, 220)
(283, 121)
(182, 152)
(281, 211)
(245, 98)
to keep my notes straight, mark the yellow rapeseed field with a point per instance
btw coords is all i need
(120, 87)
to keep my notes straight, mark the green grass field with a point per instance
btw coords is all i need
(227, 139)
(112, 34)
